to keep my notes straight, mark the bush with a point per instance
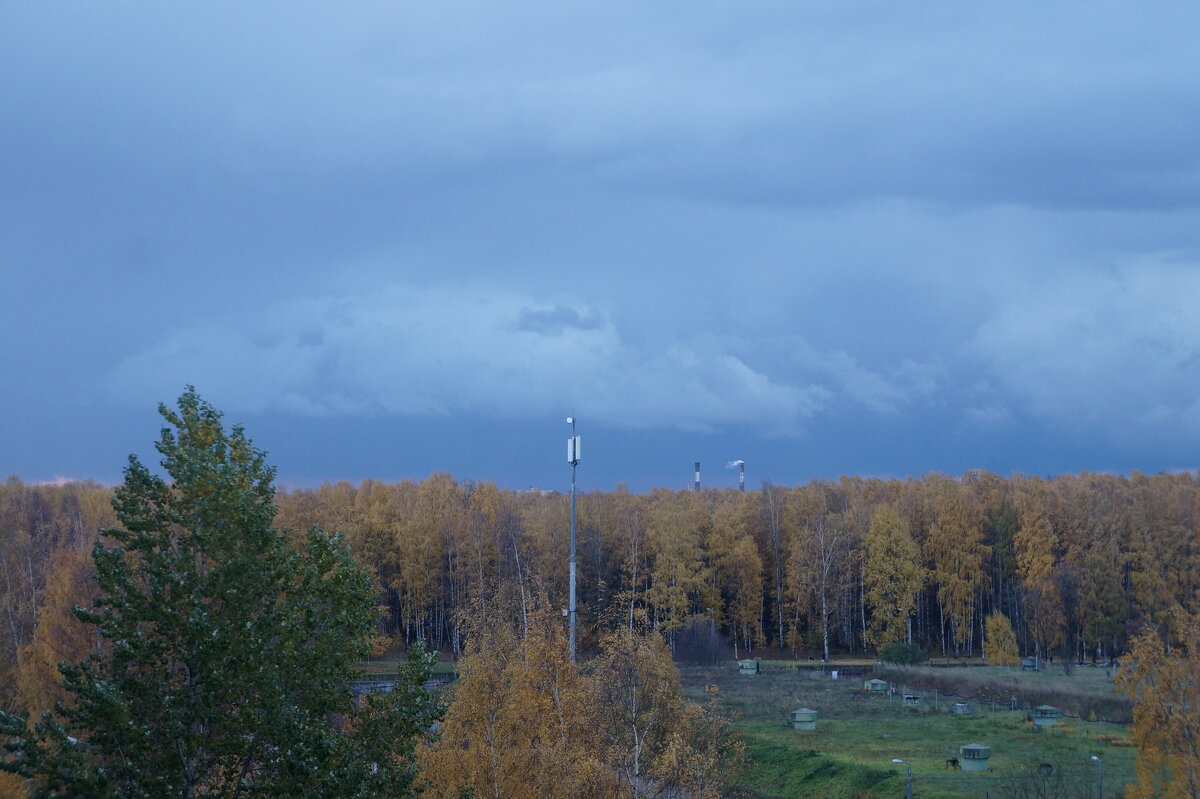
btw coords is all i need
(902, 654)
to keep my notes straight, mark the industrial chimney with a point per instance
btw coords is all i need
(697, 475)
(741, 467)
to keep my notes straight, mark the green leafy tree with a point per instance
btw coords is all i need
(902, 654)
(229, 647)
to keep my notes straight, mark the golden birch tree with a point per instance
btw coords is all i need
(521, 723)
(1165, 685)
(658, 744)
(819, 546)
(1000, 642)
(735, 569)
(58, 636)
(957, 552)
(893, 575)
(674, 530)
(1034, 547)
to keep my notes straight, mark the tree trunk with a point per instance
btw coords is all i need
(824, 622)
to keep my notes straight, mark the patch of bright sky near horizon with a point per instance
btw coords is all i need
(393, 239)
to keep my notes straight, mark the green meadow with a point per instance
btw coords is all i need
(849, 754)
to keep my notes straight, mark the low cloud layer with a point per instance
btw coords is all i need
(444, 351)
(1115, 352)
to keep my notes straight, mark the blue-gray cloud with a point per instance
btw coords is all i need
(447, 350)
(913, 218)
(557, 320)
(1115, 353)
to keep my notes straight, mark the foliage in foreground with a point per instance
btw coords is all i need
(525, 721)
(1166, 719)
(228, 646)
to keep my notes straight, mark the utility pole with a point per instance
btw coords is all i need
(908, 781)
(573, 459)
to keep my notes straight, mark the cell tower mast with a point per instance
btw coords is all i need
(573, 459)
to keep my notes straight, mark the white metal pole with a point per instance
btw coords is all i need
(574, 453)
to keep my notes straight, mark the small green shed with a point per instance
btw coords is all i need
(804, 719)
(748, 667)
(1045, 715)
(876, 686)
(974, 757)
(962, 708)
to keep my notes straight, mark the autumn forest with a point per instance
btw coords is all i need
(1078, 564)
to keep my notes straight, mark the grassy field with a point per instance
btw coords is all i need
(849, 755)
(388, 665)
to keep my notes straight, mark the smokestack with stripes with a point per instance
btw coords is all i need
(741, 467)
(697, 475)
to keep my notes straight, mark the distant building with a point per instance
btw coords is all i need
(804, 719)
(1045, 715)
(974, 757)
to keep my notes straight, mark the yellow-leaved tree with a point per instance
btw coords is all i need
(1165, 685)
(675, 527)
(1000, 642)
(522, 718)
(893, 576)
(58, 636)
(957, 556)
(1034, 546)
(735, 570)
(655, 742)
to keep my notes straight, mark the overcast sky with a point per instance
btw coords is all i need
(869, 238)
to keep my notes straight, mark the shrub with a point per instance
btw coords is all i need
(902, 654)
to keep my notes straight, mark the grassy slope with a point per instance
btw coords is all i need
(849, 754)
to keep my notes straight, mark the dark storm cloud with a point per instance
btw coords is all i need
(792, 219)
